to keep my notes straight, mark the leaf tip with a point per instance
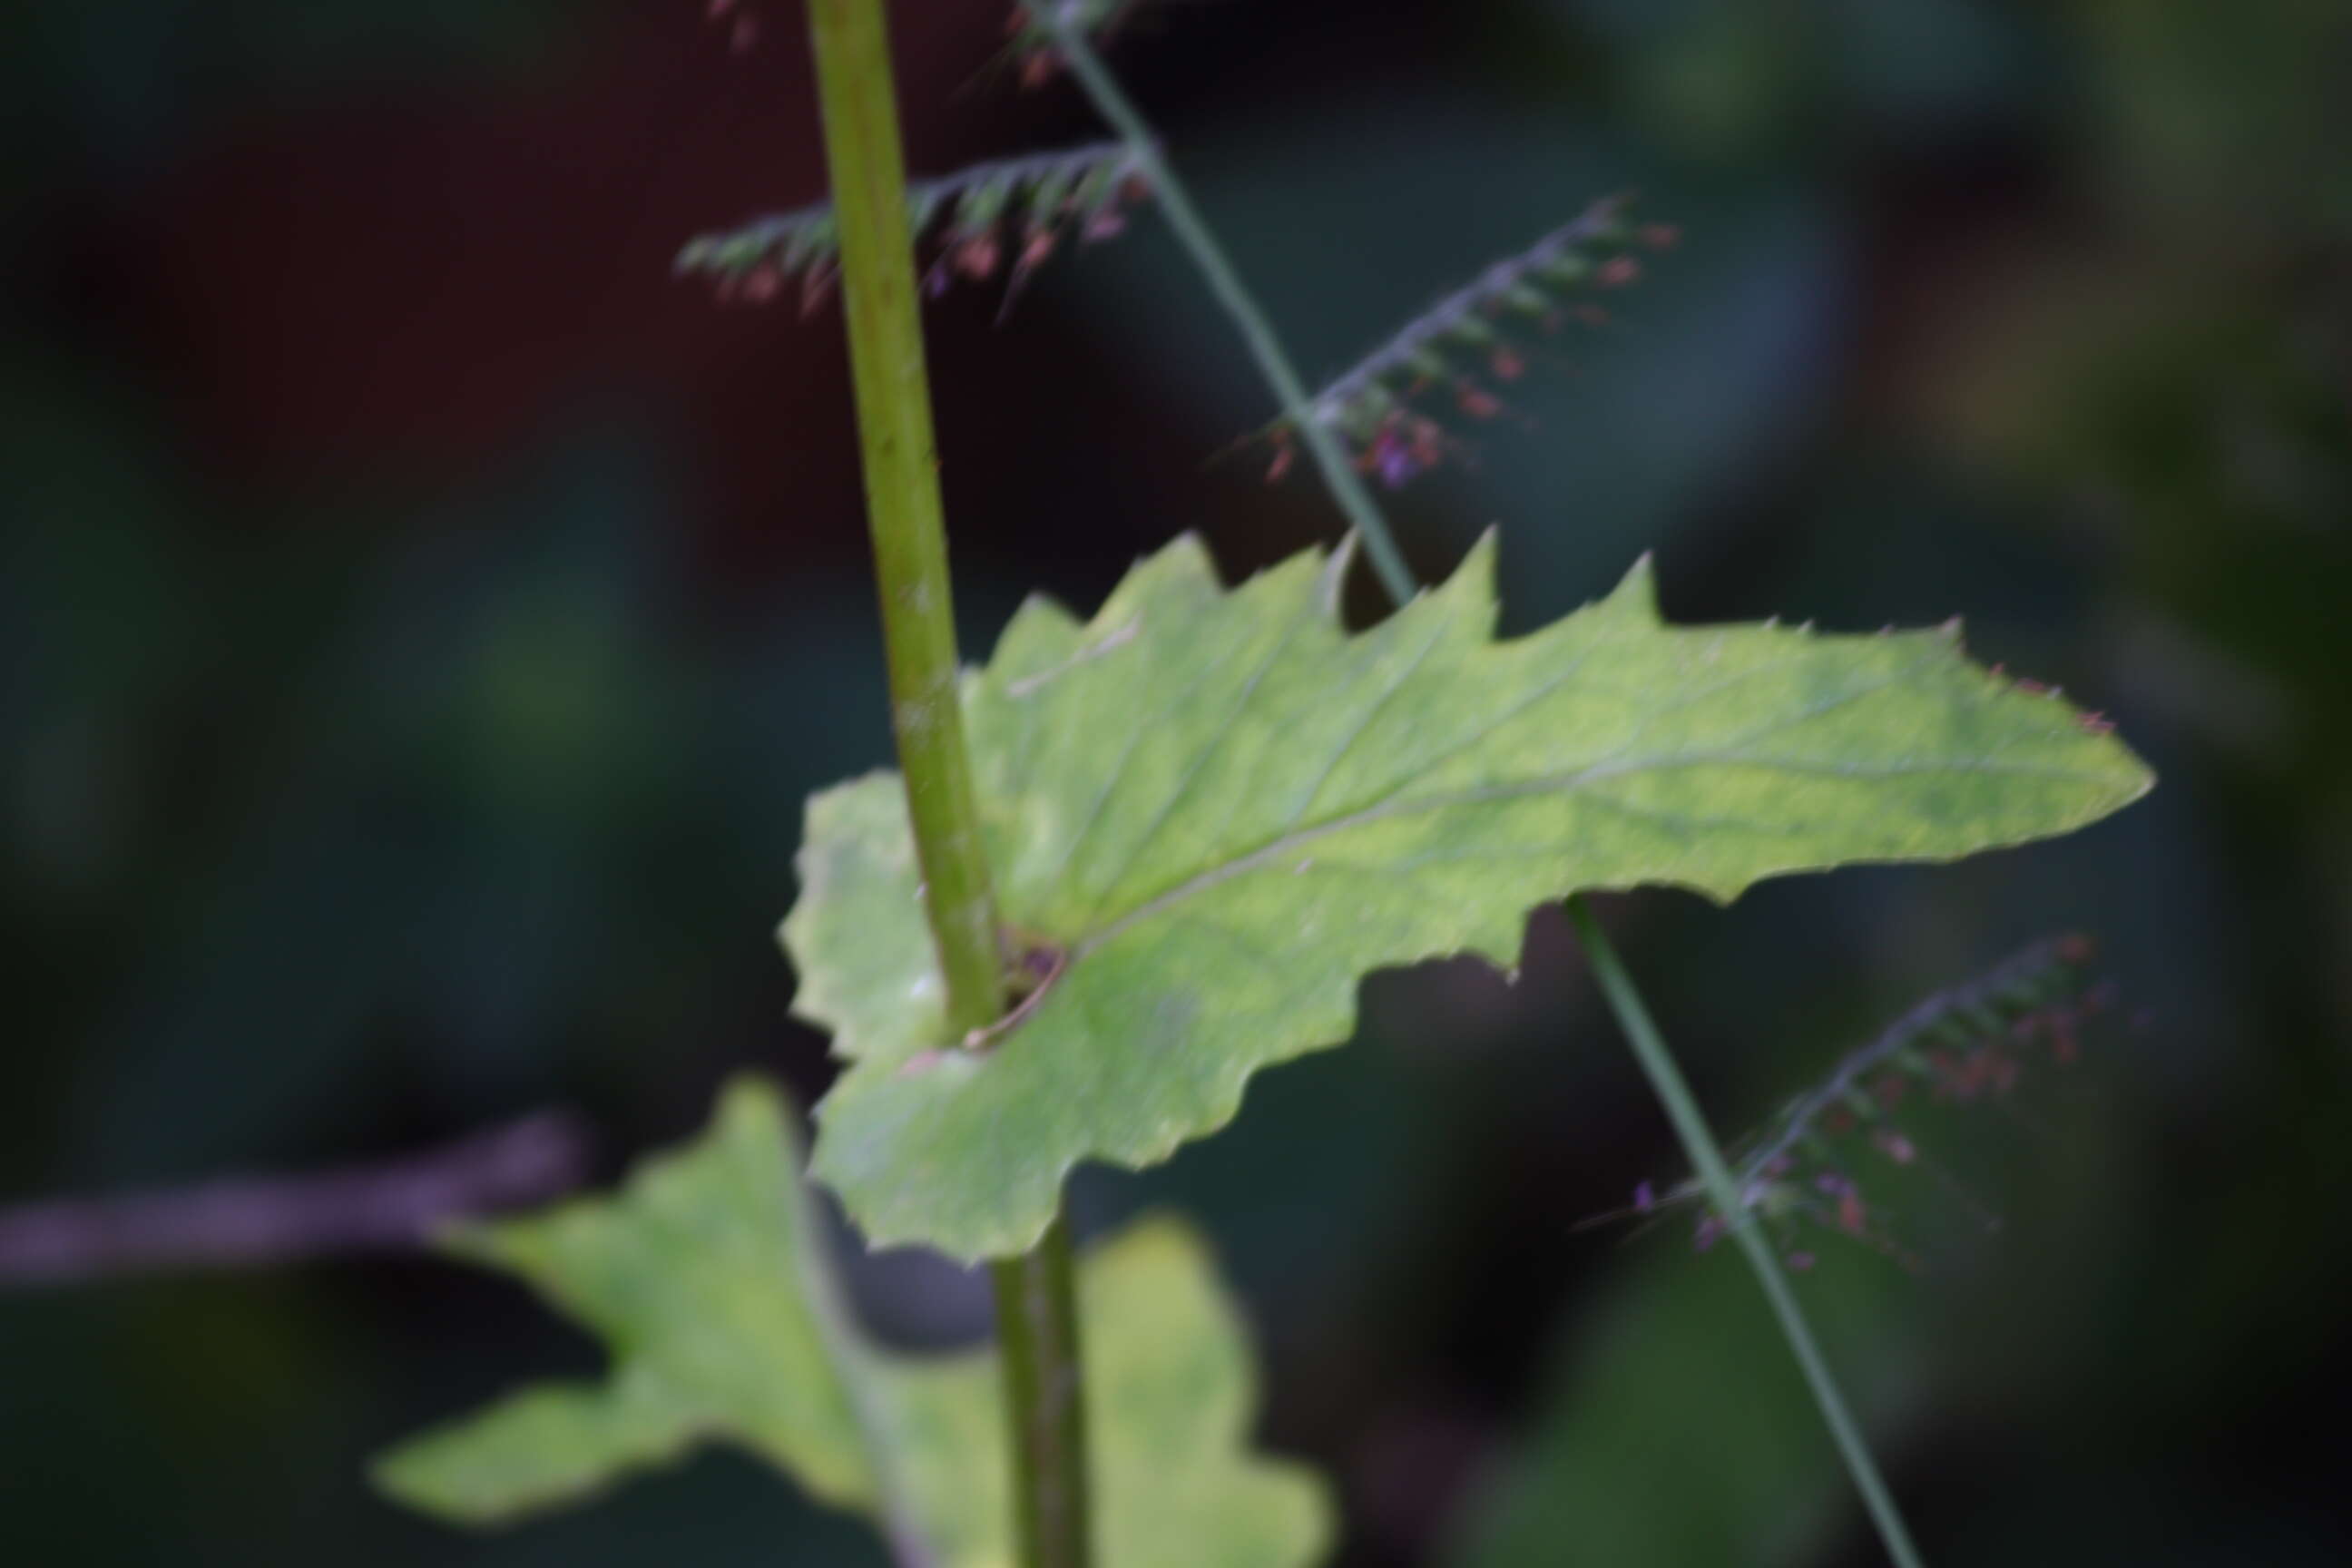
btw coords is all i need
(1332, 588)
(391, 1476)
(1185, 556)
(1481, 567)
(1182, 571)
(412, 1475)
(1638, 592)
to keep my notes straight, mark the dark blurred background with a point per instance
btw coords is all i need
(420, 618)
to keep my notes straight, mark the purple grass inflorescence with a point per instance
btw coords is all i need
(1967, 1043)
(1015, 211)
(1465, 343)
(1034, 43)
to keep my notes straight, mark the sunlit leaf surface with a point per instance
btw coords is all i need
(1210, 812)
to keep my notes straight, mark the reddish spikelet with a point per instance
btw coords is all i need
(1037, 42)
(1428, 443)
(1659, 235)
(1392, 456)
(1442, 344)
(816, 288)
(1034, 250)
(976, 256)
(1283, 457)
(1475, 400)
(1966, 1043)
(761, 284)
(745, 34)
(1039, 195)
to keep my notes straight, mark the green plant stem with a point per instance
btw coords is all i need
(902, 497)
(1723, 1190)
(1038, 1321)
(1175, 203)
(1355, 501)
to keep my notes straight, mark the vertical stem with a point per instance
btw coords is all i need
(1102, 88)
(902, 497)
(1723, 1190)
(1347, 487)
(1037, 1321)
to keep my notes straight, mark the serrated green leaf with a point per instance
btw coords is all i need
(706, 1279)
(1221, 810)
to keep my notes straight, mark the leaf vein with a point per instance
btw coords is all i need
(1231, 721)
(1486, 795)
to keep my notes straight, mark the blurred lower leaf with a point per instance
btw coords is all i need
(1678, 1434)
(706, 1278)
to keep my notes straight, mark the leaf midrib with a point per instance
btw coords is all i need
(1561, 783)
(1291, 836)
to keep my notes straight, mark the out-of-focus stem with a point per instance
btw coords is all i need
(1037, 1325)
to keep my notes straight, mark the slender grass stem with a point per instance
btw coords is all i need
(1723, 1190)
(1043, 1393)
(1200, 241)
(1354, 500)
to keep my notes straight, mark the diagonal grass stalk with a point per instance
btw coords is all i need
(1200, 242)
(1038, 1323)
(1690, 1125)
(1355, 501)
